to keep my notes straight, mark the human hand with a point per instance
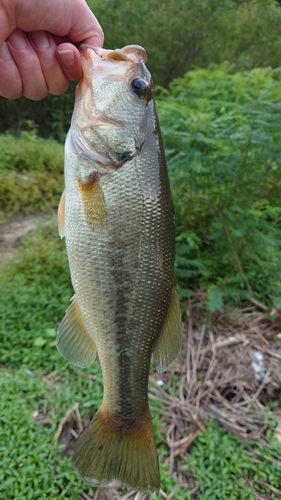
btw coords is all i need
(37, 51)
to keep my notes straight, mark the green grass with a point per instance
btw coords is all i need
(31, 465)
(36, 380)
(224, 470)
(33, 299)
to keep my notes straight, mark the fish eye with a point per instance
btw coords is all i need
(141, 88)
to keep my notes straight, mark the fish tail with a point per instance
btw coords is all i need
(108, 450)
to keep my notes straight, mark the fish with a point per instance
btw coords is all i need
(117, 216)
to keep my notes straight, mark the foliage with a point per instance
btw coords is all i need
(178, 35)
(224, 468)
(52, 115)
(223, 144)
(31, 173)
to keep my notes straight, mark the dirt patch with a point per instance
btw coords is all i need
(12, 231)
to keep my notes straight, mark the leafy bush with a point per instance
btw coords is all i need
(180, 34)
(223, 143)
(31, 173)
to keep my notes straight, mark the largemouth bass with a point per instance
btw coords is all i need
(117, 217)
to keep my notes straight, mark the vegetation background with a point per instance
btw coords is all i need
(216, 64)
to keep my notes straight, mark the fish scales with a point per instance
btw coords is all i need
(120, 231)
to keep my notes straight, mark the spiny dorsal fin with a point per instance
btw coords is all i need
(74, 341)
(168, 346)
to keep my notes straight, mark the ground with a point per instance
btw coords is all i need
(229, 370)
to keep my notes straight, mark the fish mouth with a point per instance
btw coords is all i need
(129, 53)
(128, 62)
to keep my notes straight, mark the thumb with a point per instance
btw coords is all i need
(85, 26)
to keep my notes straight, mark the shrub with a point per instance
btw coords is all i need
(31, 173)
(223, 143)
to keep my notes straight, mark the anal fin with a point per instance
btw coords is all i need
(168, 346)
(74, 341)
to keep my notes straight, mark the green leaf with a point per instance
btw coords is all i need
(51, 332)
(214, 299)
(39, 342)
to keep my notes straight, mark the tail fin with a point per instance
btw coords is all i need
(106, 451)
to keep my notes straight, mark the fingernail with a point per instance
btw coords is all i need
(5, 54)
(40, 39)
(66, 57)
(18, 40)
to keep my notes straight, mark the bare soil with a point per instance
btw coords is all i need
(12, 231)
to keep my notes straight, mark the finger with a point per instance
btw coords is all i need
(45, 48)
(33, 81)
(85, 26)
(70, 59)
(10, 78)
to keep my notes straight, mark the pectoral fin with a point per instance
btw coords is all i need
(74, 341)
(93, 204)
(61, 215)
(168, 346)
